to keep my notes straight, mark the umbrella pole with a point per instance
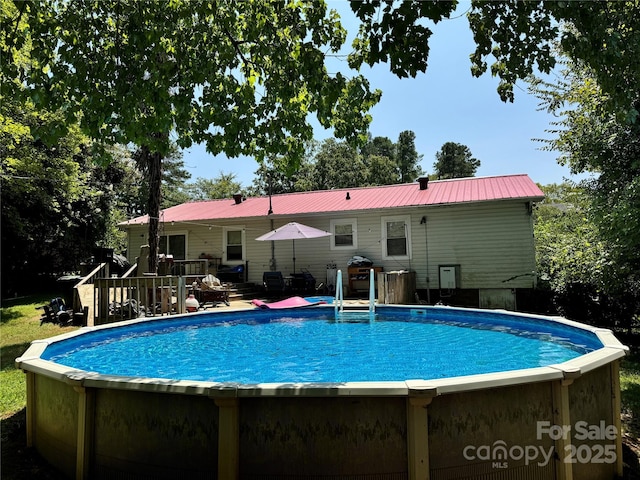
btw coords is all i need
(294, 255)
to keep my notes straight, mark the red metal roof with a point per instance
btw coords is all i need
(439, 192)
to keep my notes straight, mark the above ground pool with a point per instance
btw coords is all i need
(315, 345)
(407, 392)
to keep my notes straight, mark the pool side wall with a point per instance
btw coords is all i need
(99, 427)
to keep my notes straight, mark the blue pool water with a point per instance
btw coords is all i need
(309, 345)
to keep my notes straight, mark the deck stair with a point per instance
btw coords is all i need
(242, 291)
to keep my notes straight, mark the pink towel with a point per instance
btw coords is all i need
(291, 302)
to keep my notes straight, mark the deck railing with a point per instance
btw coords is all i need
(190, 268)
(100, 271)
(117, 299)
(131, 271)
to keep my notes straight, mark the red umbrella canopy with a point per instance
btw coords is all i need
(293, 231)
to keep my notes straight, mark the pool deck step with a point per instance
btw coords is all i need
(242, 291)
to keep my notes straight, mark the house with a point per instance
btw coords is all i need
(469, 240)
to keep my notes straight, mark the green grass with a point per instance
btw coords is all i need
(630, 394)
(19, 326)
(630, 381)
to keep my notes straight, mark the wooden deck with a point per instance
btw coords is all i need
(237, 300)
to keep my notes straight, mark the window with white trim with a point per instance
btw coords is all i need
(345, 234)
(396, 237)
(233, 239)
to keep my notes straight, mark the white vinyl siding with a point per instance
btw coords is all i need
(492, 242)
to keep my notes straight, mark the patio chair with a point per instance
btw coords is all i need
(56, 312)
(303, 282)
(210, 291)
(273, 282)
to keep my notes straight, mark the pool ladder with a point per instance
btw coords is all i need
(339, 299)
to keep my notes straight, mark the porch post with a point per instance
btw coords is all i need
(86, 420)
(616, 411)
(562, 417)
(420, 396)
(228, 438)
(31, 408)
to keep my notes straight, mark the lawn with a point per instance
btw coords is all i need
(20, 325)
(630, 394)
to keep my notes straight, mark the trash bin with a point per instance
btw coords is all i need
(65, 288)
(397, 287)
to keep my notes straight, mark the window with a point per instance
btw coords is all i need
(344, 234)
(175, 245)
(396, 237)
(233, 244)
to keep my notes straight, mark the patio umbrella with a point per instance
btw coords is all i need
(293, 231)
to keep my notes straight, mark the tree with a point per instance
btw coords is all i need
(337, 165)
(379, 156)
(275, 175)
(173, 186)
(568, 249)
(520, 36)
(407, 157)
(573, 259)
(271, 180)
(591, 138)
(242, 77)
(380, 170)
(395, 32)
(455, 160)
(224, 185)
(58, 201)
(381, 146)
(330, 164)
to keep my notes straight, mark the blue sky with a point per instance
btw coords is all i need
(445, 104)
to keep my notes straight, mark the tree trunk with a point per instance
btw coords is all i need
(153, 162)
